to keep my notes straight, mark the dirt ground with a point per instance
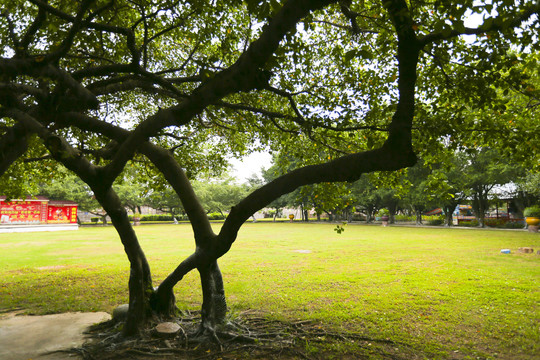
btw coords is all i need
(35, 337)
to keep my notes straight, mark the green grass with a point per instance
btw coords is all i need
(445, 293)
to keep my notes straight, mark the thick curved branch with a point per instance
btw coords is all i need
(35, 67)
(13, 145)
(21, 89)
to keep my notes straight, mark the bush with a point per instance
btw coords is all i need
(160, 217)
(358, 217)
(94, 219)
(435, 222)
(472, 223)
(498, 223)
(514, 225)
(216, 216)
(404, 218)
(383, 212)
(532, 211)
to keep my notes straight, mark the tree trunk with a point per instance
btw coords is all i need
(418, 217)
(449, 213)
(214, 306)
(140, 279)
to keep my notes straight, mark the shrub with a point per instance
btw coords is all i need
(514, 225)
(435, 222)
(404, 218)
(383, 212)
(494, 222)
(216, 216)
(472, 223)
(359, 217)
(160, 217)
(94, 219)
(532, 211)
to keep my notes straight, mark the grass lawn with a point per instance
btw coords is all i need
(436, 293)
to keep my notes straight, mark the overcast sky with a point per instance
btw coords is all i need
(251, 164)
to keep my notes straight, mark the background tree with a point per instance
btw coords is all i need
(167, 201)
(70, 187)
(484, 170)
(218, 195)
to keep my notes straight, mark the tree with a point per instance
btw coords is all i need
(96, 85)
(167, 201)
(218, 196)
(483, 171)
(70, 187)
(366, 197)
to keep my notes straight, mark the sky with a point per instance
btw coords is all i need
(251, 164)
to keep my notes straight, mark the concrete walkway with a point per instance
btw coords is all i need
(31, 337)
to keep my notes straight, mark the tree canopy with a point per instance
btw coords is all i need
(178, 86)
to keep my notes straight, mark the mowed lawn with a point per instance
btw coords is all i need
(434, 292)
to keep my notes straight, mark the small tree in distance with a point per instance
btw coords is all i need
(96, 85)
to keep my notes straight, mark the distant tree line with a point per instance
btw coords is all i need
(463, 178)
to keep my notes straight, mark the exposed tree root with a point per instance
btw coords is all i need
(245, 336)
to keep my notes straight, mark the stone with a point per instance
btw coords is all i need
(120, 313)
(167, 330)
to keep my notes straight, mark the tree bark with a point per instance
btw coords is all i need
(214, 306)
(140, 279)
(448, 213)
(418, 216)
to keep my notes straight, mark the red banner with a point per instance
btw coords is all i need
(62, 214)
(38, 212)
(23, 212)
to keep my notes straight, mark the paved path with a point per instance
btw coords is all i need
(29, 337)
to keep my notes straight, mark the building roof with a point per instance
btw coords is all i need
(44, 199)
(28, 198)
(62, 203)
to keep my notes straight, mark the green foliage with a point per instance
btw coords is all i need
(218, 196)
(216, 216)
(64, 185)
(532, 211)
(436, 221)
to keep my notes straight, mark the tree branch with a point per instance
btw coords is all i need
(496, 25)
